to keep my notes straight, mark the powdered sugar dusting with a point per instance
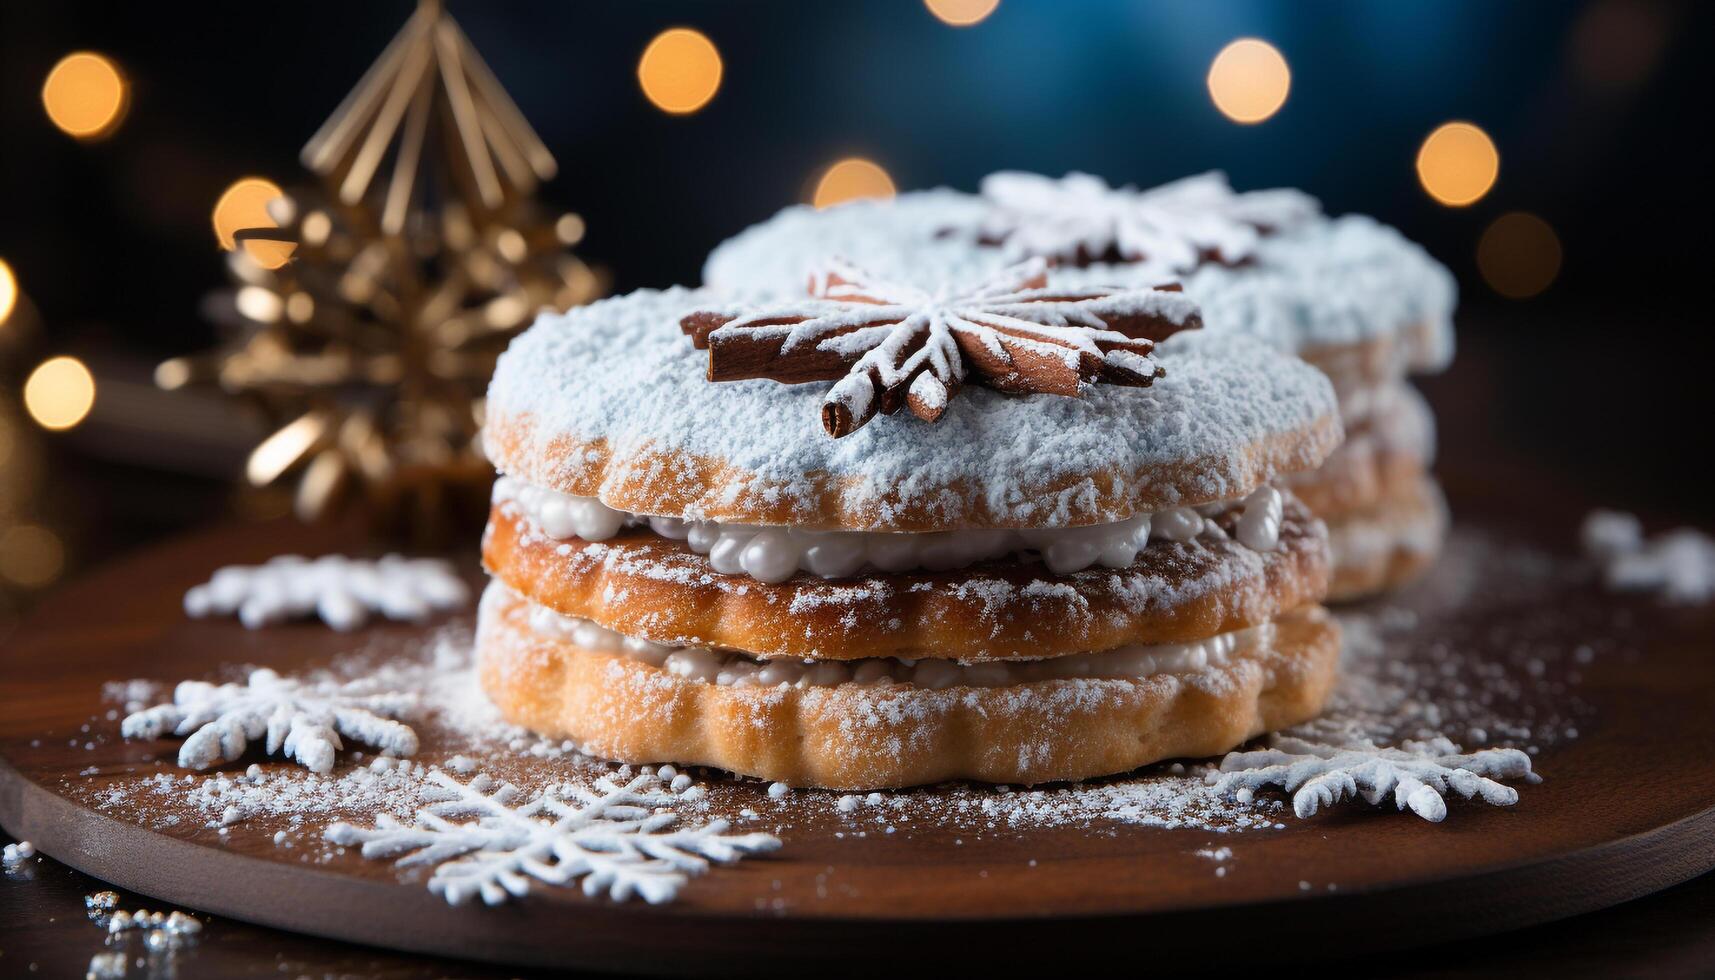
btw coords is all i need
(1410, 673)
(620, 374)
(1318, 283)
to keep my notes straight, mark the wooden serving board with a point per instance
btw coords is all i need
(1627, 807)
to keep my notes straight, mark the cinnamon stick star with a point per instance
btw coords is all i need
(888, 345)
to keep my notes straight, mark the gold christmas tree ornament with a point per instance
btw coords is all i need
(366, 323)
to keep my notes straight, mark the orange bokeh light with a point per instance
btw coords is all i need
(1519, 255)
(1249, 80)
(245, 205)
(1458, 164)
(961, 13)
(680, 71)
(86, 95)
(8, 291)
(59, 393)
(850, 179)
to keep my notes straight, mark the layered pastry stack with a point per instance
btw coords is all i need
(1347, 294)
(984, 530)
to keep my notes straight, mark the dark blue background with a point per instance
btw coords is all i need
(1114, 87)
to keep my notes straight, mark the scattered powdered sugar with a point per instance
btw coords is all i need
(462, 729)
(1678, 566)
(16, 854)
(177, 926)
(1471, 656)
(134, 695)
(1171, 801)
(1476, 656)
(107, 965)
(1219, 855)
(342, 591)
(1173, 796)
(1474, 659)
(162, 935)
(287, 796)
(438, 677)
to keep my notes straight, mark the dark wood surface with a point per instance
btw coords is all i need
(1628, 809)
(46, 933)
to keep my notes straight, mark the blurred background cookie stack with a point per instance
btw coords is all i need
(1348, 294)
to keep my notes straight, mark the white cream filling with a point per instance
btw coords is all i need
(731, 668)
(775, 554)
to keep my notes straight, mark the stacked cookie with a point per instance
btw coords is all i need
(984, 530)
(1347, 294)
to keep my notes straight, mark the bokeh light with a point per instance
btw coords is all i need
(961, 13)
(849, 179)
(86, 95)
(258, 303)
(1616, 44)
(1519, 255)
(171, 375)
(1457, 164)
(59, 393)
(245, 205)
(680, 71)
(30, 555)
(8, 291)
(1249, 80)
(569, 229)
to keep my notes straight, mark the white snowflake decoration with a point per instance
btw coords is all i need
(1173, 228)
(304, 720)
(1679, 566)
(342, 591)
(614, 837)
(1416, 774)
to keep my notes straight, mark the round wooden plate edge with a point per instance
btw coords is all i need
(296, 898)
(293, 897)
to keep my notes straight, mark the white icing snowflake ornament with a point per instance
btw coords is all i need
(305, 721)
(1078, 219)
(1417, 775)
(1678, 566)
(342, 591)
(616, 838)
(889, 346)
